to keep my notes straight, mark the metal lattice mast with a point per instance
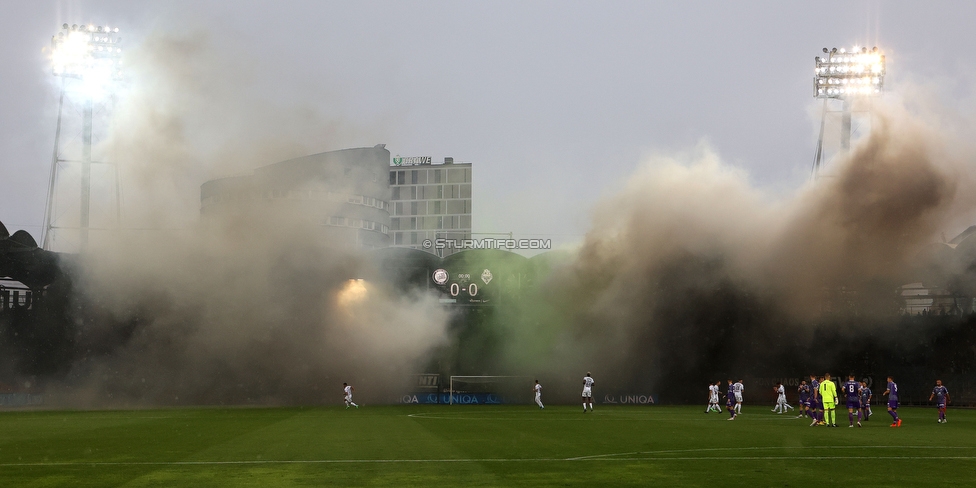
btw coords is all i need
(88, 60)
(845, 76)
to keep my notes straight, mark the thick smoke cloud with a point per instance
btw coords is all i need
(194, 109)
(691, 271)
(243, 314)
(250, 306)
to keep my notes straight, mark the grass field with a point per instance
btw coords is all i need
(479, 446)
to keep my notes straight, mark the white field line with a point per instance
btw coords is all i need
(768, 448)
(604, 416)
(598, 458)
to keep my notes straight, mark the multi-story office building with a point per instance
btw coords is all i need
(429, 202)
(343, 192)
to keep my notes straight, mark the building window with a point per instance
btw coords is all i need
(455, 175)
(401, 177)
(396, 193)
(398, 238)
(465, 222)
(455, 206)
(437, 176)
(414, 237)
(466, 191)
(413, 223)
(398, 208)
(395, 224)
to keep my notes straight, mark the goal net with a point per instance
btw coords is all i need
(475, 390)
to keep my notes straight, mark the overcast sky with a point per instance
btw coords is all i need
(555, 103)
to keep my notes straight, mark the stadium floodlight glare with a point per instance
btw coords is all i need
(88, 59)
(90, 54)
(847, 74)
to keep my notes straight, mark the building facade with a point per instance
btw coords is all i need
(344, 192)
(430, 204)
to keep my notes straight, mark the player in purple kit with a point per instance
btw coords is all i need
(804, 391)
(892, 393)
(865, 401)
(852, 390)
(941, 394)
(730, 400)
(816, 408)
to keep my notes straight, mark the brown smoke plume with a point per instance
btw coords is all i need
(690, 269)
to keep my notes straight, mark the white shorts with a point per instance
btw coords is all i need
(586, 392)
(713, 399)
(349, 397)
(738, 397)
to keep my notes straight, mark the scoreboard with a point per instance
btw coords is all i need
(466, 286)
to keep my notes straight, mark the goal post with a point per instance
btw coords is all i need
(490, 389)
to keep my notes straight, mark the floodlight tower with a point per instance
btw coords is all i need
(87, 58)
(845, 75)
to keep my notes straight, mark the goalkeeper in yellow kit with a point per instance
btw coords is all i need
(828, 394)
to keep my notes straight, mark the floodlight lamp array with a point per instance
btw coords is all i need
(87, 52)
(847, 74)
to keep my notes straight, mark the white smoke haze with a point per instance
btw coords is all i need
(688, 267)
(194, 111)
(249, 306)
(254, 309)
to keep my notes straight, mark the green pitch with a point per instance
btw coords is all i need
(479, 445)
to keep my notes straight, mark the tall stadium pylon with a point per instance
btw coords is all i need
(87, 59)
(846, 77)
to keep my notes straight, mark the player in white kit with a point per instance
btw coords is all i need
(713, 398)
(781, 405)
(538, 394)
(737, 388)
(347, 395)
(587, 391)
